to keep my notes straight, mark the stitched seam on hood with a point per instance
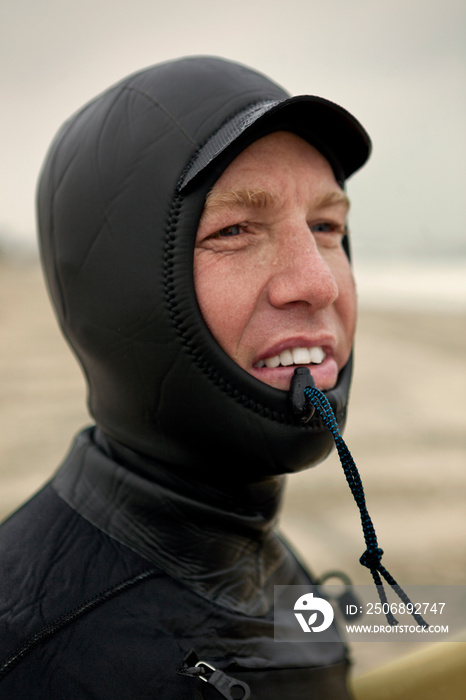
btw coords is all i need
(153, 101)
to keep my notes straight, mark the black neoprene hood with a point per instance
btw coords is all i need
(119, 201)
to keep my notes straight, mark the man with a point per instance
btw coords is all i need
(193, 234)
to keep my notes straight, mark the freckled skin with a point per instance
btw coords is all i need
(275, 276)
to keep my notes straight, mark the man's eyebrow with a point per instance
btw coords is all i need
(261, 199)
(331, 199)
(255, 199)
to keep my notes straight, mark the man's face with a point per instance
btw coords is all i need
(272, 279)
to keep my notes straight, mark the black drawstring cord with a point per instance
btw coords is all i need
(373, 555)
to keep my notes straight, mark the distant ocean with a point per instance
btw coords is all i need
(427, 285)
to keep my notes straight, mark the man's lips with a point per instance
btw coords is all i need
(293, 356)
(277, 370)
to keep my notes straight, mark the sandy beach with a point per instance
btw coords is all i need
(406, 432)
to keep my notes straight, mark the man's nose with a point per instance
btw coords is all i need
(300, 273)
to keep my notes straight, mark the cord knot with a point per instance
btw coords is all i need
(371, 558)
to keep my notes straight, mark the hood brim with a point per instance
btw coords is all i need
(327, 126)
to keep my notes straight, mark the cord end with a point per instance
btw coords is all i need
(301, 379)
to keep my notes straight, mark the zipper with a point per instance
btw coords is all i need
(227, 686)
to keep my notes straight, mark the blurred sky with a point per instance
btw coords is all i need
(399, 66)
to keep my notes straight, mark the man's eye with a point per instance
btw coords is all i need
(324, 227)
(229, 231)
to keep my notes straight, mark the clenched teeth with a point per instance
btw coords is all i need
(295, 356)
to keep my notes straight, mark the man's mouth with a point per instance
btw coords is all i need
(293, 356)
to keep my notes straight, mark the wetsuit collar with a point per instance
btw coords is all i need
(219, 539)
